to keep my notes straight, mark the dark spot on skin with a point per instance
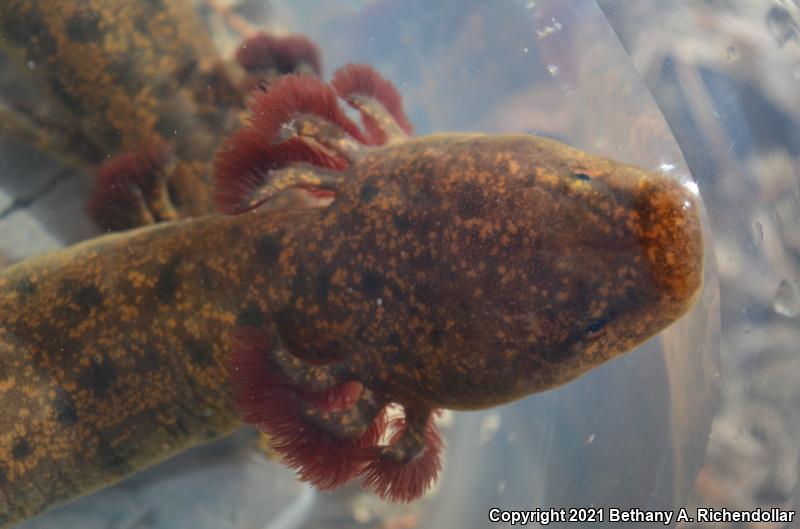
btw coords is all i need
(98, 377)
(70, 102)
(562, 353)
(425, 224)
(372, 284)
(424, 261)
(185, 71)
(164, 90)
(22, 28)
(235, 234)
(65, 410)
(151, 360)
(398, 294)
(70, 349)
(428, 294)
(26, 287)
(29, 29)
(435, 337)
(110, 459)
(124, 72)
(368, 192)
(583, 176)
(140, 23)
(471, 202)
(200, 352)
(299, 283)
(78, 301)
(68, 287)
(268, 249)
(394, 340)
(283, 318)
(21, 449)
(352, 218)
(84, 26)
(250, 316)
(88, 297)
(180, 424)
(167, 283)
(402, 223)
(208, 278)
(322, 285)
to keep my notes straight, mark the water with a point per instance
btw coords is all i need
(671, 86)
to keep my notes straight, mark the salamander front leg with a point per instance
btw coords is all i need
(327, 425)
(316, 418)
(299, 136)
(405, 468)
(132, 189)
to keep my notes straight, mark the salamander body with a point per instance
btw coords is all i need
(452, 271)
(120, 80)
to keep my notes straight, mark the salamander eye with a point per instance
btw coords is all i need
(582, 176)
(596, 328)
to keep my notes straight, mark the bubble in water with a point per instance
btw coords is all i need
(362, 513)
(530, 4)
(555, 27)
(553, 69)
(501, 487)
(787, 298)
(489, 427)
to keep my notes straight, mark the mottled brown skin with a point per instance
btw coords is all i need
(465, 271)
(458, 271)
(129, 75)
(113, 352)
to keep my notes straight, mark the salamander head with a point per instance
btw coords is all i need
(469, 270)
(450, 271)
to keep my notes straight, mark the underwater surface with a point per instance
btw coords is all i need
(704, 414)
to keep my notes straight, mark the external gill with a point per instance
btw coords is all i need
(407, 467)
(133, 188)
(300, 138)
(319, 434)
(378, 102)
(327, 425)
(324, 421)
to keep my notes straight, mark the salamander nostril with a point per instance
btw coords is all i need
(583, 177)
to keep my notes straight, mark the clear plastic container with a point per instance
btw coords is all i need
(705, 414)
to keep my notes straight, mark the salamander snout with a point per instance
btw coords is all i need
(667, 224)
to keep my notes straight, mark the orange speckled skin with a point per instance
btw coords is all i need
(464, 271)
(113, 352)
(129, 74)
(453, 270)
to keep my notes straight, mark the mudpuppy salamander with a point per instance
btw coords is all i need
(117, 77)
(454, 271)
